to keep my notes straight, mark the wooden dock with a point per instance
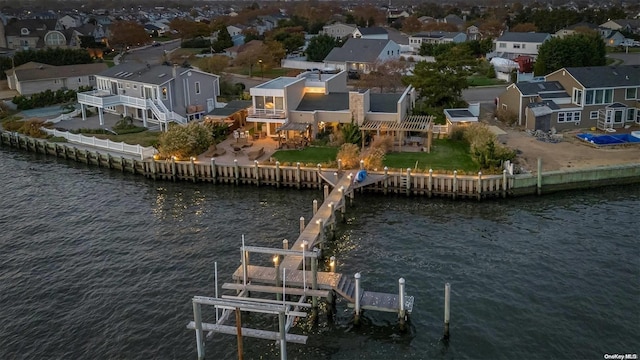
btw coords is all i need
(290, 276)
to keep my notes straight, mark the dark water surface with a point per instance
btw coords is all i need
(95, 264)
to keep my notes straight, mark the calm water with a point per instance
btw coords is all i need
(95, 264)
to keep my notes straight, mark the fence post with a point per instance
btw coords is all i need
(192, 167)
(257, 170)
(386, 180)
(173, 168)
(454, 186)
(214, 171)
(430, 182)
(479, 185)
(236, 171)
(504, 183)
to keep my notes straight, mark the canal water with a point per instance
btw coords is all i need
(96, 264)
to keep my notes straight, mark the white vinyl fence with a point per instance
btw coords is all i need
(143, 152)
(67, 116)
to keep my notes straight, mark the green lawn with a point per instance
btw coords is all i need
(445, 155)
(311, 154)
(145, 138)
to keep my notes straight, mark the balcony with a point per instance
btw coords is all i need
(267, 115)
(102, 98)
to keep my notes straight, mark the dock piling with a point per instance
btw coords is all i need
(447, 298)
(539, 177)
(356, 318)
(402, 315)
(276, 263)
(197, 318)
(315, 207)
(332, 264)
(314, 278)
(285, 244)
(326, 191)
(302, 224)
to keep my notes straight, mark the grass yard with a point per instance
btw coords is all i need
(257, 73)
(308, 155)
(445, 155)
(145, 138)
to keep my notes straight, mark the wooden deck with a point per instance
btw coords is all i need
(311, 232)
(262, 274)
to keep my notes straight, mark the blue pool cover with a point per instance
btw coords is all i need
(609, 139)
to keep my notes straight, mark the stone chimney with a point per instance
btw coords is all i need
(359, 105)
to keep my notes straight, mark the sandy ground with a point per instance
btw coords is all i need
(569, 153)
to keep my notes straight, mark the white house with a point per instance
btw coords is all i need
(360, 54)
(435, 37)
(374, 32)
(513, 44)
(338, 30)
(313, 101)
(33, 77)
(156, 94)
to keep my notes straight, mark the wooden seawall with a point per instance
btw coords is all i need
(427, 184)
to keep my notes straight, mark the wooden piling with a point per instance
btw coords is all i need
(197, 318)
(256, 168)
(173, 168)
(214, 171)
(239, 333)
(504, 183)
(386, 180)
(236, 172)
(302, 224)
(315, 207)
(539, 177)
(285, 244)
(326, 191)
(454, 187)
(356, 318)
(402, 315)
(408, 181)
(314, 279)
(447, 297)
(277, 174)
(192, 168)
(479, 189)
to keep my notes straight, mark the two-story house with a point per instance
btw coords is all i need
(156, 94)
(627, 25)
(606, 97)
(32, 77)
(360, 54)
(313, 101)
(338, 30)
(435, 37)
(30, 34)
(513, 44)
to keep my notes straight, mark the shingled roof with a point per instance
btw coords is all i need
(358, 50)
(606, 76)
(33, 71)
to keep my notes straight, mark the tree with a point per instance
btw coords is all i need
(216, 64)
(385, 75)
(491, 28)
(572, 51)
(223, 40)
(434, 26)
(127, 33)
(439, 83)
(320, 46)
(291, 38)
(524, 27)
(411, 25)
(184, 141)
(189, 29)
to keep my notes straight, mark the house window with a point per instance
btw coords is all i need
(516, 46)
(54, 39)
(92, 78)
(631, 94)
(80, 80)
(524, 46)
(598, 97)
(577, 96)
(135, 86)
(502, 45)
(593, 115)
(197, 87)
(631, 114)
(165, 96)
(569, 116)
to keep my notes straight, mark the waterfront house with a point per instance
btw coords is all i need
(32, 77)
(360, 54)
(155, 94)
(32, 34)
(314, 101)
(513, 44)
(606, 97)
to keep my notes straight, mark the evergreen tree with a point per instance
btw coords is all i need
(320, 46)
(223, 41)
(572, 51)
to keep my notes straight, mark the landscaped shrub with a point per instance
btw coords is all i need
(484, 149)
(457, 133)
(47, 98)
(349, 154)
(385, 143)
(373, 158)
(185, 141)
(506, 116)
(31, 127)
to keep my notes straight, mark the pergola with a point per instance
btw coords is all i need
(412, 123)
